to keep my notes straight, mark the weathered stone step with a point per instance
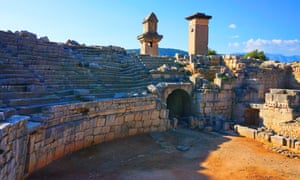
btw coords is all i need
(13, 88)
(19, 95)
(60, 73)
(19, 81)
(34, 109)
(16, 75)
(32, 101)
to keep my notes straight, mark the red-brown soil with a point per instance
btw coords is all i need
(154, 156)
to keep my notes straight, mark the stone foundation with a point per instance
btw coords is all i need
(280, 109)
(266, 136)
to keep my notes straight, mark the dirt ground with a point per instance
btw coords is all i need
(155, 156)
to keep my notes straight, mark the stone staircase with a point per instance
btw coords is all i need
(35, 73)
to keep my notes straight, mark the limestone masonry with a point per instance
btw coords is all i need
(57, 98)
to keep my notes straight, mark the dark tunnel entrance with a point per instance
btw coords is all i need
(179, 104)
(252, 117)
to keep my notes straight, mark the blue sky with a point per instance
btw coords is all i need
(237, 25)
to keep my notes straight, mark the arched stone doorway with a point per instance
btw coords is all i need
(179, 104)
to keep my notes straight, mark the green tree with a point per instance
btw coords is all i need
(256, 54)
(211, 52)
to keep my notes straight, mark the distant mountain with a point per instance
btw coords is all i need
(172, 52)
(282, 58)
(162, 51)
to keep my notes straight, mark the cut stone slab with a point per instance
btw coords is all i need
(278, 140)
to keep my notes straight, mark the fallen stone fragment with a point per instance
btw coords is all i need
(182, 148)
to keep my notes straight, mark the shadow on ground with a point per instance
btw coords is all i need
(145, 156)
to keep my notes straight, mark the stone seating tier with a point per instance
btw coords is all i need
(155, 62)
(36, 74)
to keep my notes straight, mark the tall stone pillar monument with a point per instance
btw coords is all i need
(150, 38)
(198, 33)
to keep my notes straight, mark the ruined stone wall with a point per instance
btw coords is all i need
(251, 85)
(13, 147)
(67, 128)
(263, 135)
(268, 78)
(290, 129)
(272, 117)
(262, 76)
(207, 66)
(233, 62)
(280, 106)
(75, 126)
(209, 103)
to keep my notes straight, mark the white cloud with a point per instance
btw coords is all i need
(289, 47)
(232, 26)
(277, 41)
(234, 44)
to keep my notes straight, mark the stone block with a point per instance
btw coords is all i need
(120, 119)
(156, 122)
(88, 132)
(88, 140)
(154, 115)
(99, 122)
(111, 120)
(146, 115)
(290, 142)
(278, 140)
(129, 117)
(98, 139)
(138, 116)
(245, 131)
(79, 136)
(132, 131)
(297, 146)
(109, 136)
(139, 124)
(263, 136)
(147, 123)
(154, 129)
